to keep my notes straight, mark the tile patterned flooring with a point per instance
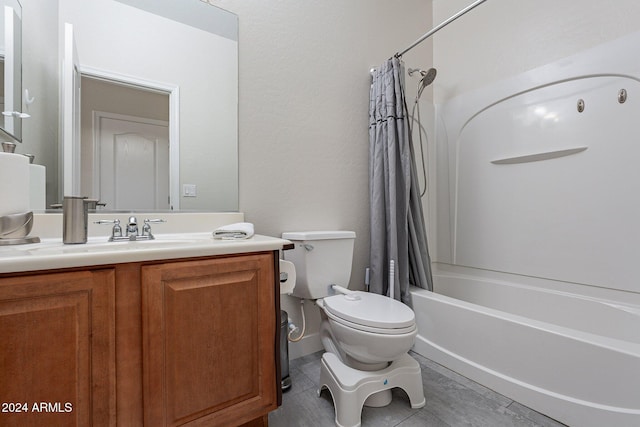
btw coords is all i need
(452, 401)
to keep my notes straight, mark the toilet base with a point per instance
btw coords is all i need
(350, 387)
(379, 399)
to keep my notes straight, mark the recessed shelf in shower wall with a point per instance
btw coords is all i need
(547, 155)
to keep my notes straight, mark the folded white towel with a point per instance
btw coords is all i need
(237, 231)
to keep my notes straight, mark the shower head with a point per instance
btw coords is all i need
(427, 77)
(421, 71)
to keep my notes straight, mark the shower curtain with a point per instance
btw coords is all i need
(397, 222)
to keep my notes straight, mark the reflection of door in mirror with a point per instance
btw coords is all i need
(133, 164)
(125, 145)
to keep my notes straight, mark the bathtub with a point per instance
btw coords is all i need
(573, 357)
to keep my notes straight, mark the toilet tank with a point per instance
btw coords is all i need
(322, 259)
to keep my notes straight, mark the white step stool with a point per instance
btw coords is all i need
(350, 387)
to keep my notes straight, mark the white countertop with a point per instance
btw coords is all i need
(183, 235)
(53, 254)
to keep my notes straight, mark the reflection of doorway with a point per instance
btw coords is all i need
(131, 167)
(137, 122)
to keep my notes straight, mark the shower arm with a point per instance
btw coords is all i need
(440, 26)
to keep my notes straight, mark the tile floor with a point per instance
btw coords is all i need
(452, 400)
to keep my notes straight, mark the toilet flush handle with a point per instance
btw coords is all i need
(348, 295)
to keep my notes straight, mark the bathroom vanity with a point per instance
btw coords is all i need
(179, 331)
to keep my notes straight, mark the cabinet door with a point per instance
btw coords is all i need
(57, 352)
(209, 331)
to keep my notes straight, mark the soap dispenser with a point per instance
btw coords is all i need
(75, 219)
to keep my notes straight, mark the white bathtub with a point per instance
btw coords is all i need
(574, 358)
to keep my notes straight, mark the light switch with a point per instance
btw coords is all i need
(189, 190)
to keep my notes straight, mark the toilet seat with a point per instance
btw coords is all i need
(370, 312)
(370, 329)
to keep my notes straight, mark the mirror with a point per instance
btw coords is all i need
(187, 51)
(11, 68)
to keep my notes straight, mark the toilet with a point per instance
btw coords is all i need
(366, 336)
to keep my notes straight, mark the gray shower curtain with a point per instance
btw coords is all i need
(397, 222)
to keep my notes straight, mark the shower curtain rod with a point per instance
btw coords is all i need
(440, 26)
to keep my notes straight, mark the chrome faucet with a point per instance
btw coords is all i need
(132, 227)
(132, 231)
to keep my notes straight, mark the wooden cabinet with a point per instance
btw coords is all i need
(188, 342)
(57, 352)
(208, 341)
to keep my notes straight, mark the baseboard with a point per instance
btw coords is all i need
(307, 345)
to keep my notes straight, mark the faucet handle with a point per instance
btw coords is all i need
(154, 221)
(107, 221)
(116, 231)
(146, 228)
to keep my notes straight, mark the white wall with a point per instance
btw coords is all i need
(304, 99)
(502, 38)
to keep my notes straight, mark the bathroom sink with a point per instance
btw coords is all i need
(51, 253)
(108, 246)
(100, 244)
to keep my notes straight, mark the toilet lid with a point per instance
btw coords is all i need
(369, 309)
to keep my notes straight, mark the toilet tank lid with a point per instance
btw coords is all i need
(318, 235)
